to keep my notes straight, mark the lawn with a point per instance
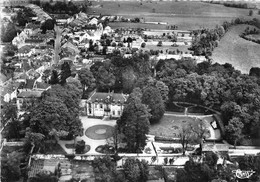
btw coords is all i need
(242, 54)
(186, 15)
(170, 125)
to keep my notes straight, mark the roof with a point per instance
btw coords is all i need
(214, 147)
(25, 49)
(3, 78)
(71, 46)
(29, 84)
(108, 97)
(41, 85)
(29, 94)
(9, 88)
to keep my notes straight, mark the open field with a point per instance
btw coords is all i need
(186, 15)
(170, 126)
(242, 54)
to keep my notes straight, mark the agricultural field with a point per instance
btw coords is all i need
(186, 15)
(242, 54)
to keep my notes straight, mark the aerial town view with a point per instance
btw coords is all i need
(130, 91)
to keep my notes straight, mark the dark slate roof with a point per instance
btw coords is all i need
(29, 84)
(41, 85)
(111, 97)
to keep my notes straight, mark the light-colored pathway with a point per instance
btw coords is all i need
(88, 122)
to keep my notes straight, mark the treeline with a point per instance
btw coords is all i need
(236, 5)
(247, 32)
(63, 7)
(205, 40)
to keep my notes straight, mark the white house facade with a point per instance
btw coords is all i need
(105, 104)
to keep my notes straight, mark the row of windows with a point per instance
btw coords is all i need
(100, 106)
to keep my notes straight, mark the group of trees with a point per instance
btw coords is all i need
(219, 87)
(63, 7)
(55, 116)
(205, 40)
(23, 16)
(120, 74)
(209, 170)
(8, 32)
(134, 170)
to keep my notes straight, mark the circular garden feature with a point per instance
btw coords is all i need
(99, 132)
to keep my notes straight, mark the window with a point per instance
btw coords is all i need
(119, 113)
(96, 106)
(101, 106)
(113, 112)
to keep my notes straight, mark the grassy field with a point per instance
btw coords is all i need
(186, 15)
(169, 126)
(242, 54)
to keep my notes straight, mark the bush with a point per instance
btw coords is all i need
(80, 146)
(251, 12)
(143, 45)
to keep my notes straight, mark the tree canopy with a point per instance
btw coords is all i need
(134, 122)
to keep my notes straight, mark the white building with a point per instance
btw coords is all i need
(105, 104)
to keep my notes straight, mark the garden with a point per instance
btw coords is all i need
(170, 125)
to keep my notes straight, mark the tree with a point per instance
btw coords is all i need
(10, 167)
(48, 25)
(8, 32)
(134, 123)
(234, 130)
(80, 147)
(136, 170)
(116, 139)
(105, 79)
(201, 131)
(163, 89)
(87, 79)
(44, 176)
(193, 171)
(65, 72)
(186, 136)
(33, 139)
(250, 12)
(59, 110)
(105, 170)
(54, 78)
(255, 71)
(153, 99)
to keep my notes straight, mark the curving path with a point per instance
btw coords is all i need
(94, 143)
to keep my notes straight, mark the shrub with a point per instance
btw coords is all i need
(251, 12)
(143, 45)
(80, 146)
